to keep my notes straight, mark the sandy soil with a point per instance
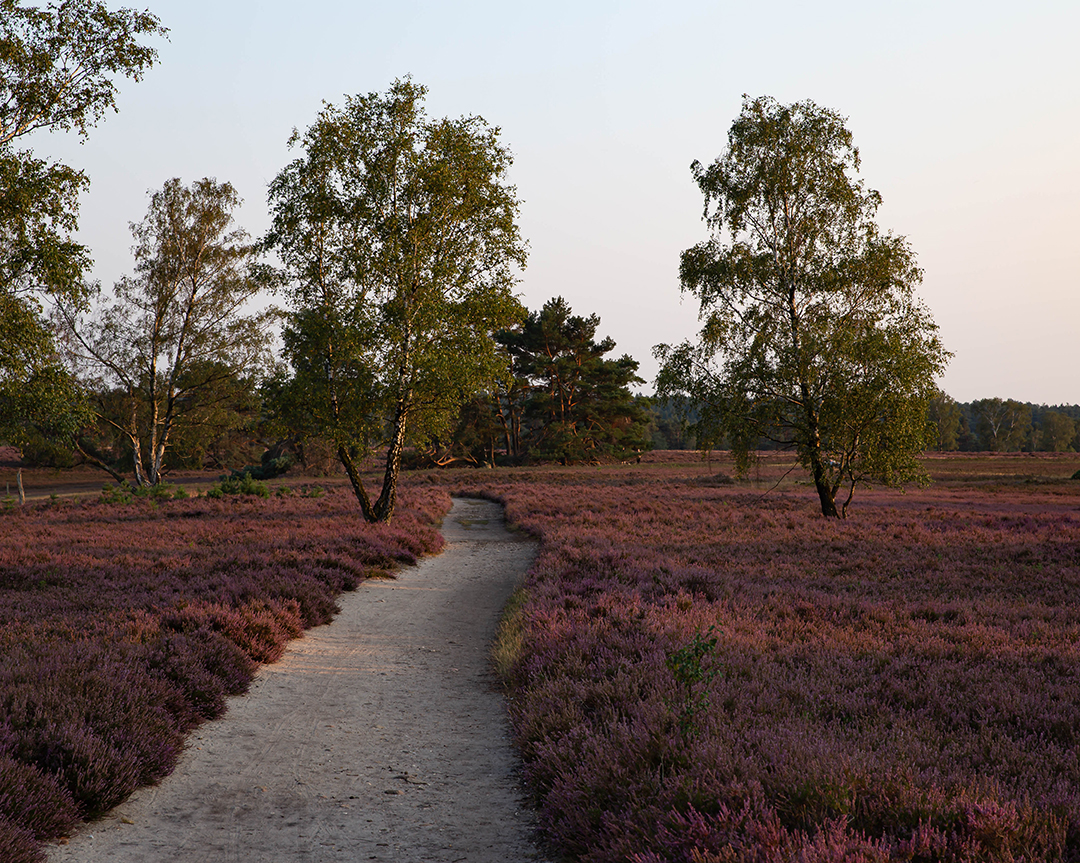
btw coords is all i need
(381, 736)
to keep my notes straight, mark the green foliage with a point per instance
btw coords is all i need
(39, 207)
(58, 67)
(269, 469)
(221, 427)
(671, 421)
(116, 493)
(1056, 431)
(1006, 425)
(245, 484)
(398, 240)
(41, 404)
(58, 64)
(312, 491)
(1003, 425)
(124, 493)
(692, 677)
(559, 399)
(813, 337)
(577, 402)
(944, 417)
(174, 349)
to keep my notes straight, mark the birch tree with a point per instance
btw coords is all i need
(59, 66)
(812, 334)
(175, 333)
(399, 246)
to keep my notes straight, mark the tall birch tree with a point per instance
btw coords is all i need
(174, 336)
(812, 336)
(399, 246)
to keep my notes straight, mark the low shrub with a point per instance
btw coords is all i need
(268, 469)
(244, 484)
(124, 627)
(19, 844)
(707, 674)
(123, 493)
(97, 773)
(34, 800)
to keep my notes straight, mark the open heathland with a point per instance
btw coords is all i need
(703, 669)
(125, 625)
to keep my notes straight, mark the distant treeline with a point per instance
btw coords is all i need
(1004, 425)
(984, 425)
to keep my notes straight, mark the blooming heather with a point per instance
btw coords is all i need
(125, 626)
(904, 685)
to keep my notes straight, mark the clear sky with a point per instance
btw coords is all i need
(966, 114)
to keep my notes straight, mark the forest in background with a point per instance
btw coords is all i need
(983, 425)
(238, 433)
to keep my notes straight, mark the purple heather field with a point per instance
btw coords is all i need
(126, 625)
(699, 669)
(707, 672)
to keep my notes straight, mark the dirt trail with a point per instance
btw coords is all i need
(378, 737)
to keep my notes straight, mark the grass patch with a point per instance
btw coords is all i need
(510, 634)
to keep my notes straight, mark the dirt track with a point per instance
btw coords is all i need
(378, 737)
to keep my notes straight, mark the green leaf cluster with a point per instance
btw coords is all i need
(812, 336)
(399, 248)
(243, 485)
(692, 677)
(58, 71)
(575, 403)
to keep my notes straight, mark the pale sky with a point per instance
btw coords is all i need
(966, 114)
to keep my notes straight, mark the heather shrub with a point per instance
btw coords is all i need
(204, 666)
(122, 627)
(19, 844)
(34, 800)
(97, 773)
(707, 674)
(98, 721)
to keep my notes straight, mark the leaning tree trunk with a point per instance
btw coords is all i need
(93, 459)
(345, 457)
(384, 506)
(136, 456)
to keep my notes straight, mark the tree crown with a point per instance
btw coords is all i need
(58, 64)
(812, 335)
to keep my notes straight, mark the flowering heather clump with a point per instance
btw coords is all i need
(125, 625)
(902, 685)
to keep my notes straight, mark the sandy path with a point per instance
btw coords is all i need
(378, 737)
